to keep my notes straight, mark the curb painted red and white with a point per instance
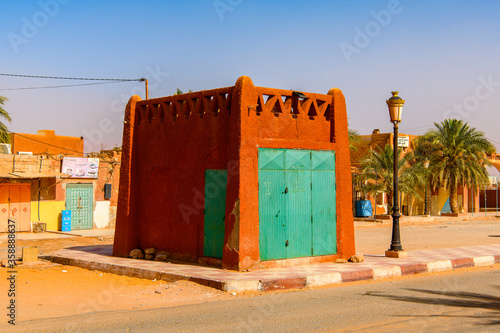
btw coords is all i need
(295, 278)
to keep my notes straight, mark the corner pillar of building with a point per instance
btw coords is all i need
(127, 224)
(244, 218)
(339, 136)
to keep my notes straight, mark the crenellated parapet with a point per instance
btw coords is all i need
(195, 104)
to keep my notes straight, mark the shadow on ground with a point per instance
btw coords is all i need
(454, 299)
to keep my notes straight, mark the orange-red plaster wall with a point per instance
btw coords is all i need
(46, 142)
(309, 128)
(169, 142)
(167, 148)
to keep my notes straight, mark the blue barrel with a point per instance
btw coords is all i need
(363, 208)
(66, 220)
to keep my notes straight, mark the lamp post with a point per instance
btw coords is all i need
(426, 209)
(395, 104)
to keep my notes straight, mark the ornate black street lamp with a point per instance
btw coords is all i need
(395, 104)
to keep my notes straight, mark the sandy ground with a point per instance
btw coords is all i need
(46, 290)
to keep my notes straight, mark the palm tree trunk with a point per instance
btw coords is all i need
(453, 199)
(390, 201)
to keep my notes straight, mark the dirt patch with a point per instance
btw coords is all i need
(55, 291)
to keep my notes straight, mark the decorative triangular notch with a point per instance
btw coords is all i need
(161, 112)
(260, 104)
(313, 110)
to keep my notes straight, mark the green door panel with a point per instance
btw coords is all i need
(215, 212)
(298, 217)
(297, 204)
(271, 159)
(79, 199)
(324, 213)
(323, 160)
(297, 159)
(324, 203)
(272, 214)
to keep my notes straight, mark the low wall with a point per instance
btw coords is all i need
(50, 213)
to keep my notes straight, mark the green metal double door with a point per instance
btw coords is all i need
(297, 204)
(79, 199)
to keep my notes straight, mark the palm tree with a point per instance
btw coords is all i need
(354, 138)
(457, 157)
(377, 173)
(4, 132)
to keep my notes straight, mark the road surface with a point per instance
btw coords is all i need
(466, 300)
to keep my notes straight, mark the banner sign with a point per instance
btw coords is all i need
(80, 167)
(403, 141)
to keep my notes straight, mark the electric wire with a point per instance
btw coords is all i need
(68, 78)
(63, 86)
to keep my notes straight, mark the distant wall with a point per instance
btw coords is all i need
(50, 213)
(46, 142)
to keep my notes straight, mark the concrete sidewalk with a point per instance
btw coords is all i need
(374, 267)
(58, 234)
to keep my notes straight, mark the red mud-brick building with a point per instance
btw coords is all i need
(244, 176)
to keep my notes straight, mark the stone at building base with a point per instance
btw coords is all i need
(30, 254)
(357, 258)
(396, 254)
(136, 254)
(39, 227)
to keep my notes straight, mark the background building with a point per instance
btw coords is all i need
(46, 142)
(34, 188)
(438, 198)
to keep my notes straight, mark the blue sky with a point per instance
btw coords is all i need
(441, 55)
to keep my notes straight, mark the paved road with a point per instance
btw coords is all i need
(449, 302)
(423, 236)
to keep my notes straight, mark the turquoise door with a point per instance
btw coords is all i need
(272, 204)
(79, 199)
(297, 207)
(215, 212)
(298, 201)
(324, 207)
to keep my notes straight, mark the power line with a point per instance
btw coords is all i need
(71, 78)
(68, 78)
(63, 86)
